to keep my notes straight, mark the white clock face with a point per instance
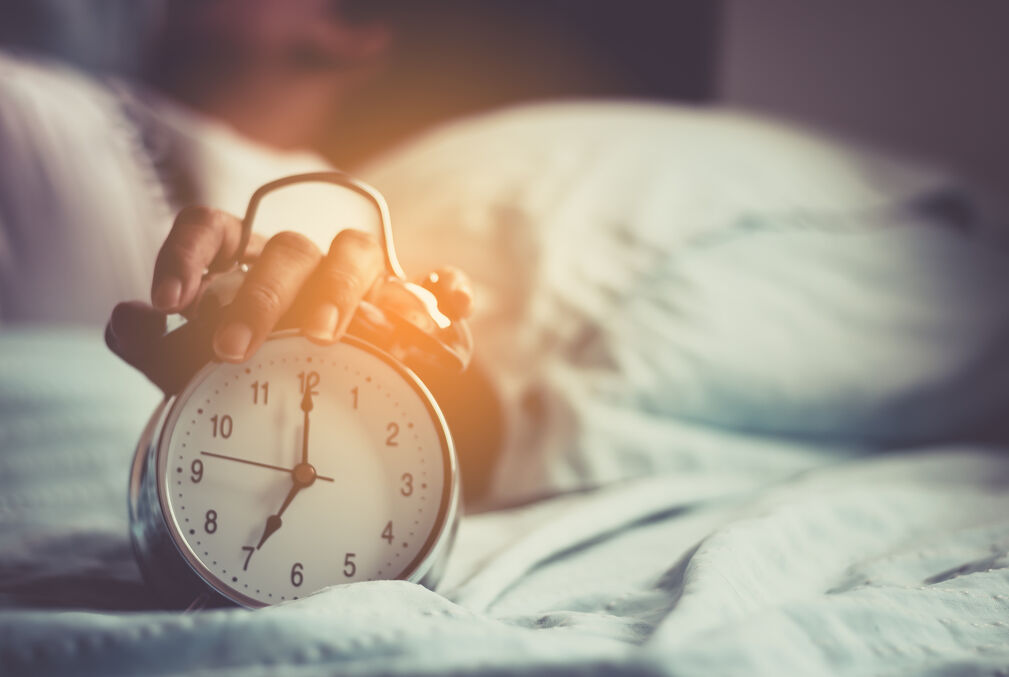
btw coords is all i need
(268, 512)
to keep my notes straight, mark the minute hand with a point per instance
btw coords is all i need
(258, 464)
(306, 406)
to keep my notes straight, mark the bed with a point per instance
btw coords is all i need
(754, 430)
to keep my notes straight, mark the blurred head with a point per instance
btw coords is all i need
(277, 70)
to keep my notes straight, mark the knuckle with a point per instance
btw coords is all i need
(196, 224)
(293, 245)
(338, 285)
(356, 239)
(185, 255)
(197, 217)
(264, 299)
(194, 214)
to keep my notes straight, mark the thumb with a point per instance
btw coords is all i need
(136, 333)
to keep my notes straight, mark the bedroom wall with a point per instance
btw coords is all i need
(456, 57)
(926, 77)
(923, 76)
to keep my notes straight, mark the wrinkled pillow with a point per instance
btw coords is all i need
(656, 281)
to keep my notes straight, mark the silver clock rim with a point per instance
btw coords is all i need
(414, 571)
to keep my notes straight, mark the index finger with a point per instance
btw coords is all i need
(200, 237)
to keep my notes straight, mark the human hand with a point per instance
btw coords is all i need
(290, 283)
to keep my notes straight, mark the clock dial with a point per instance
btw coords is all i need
(306, 466)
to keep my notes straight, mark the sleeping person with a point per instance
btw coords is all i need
(649, 285)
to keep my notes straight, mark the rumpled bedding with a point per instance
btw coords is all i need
(893, 564)
(754, 385)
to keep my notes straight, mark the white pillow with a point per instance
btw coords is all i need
(659, 285)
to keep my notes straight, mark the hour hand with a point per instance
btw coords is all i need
(274, 522)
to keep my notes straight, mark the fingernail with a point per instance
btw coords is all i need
(231, 342)
(167, 294)
(322, 325)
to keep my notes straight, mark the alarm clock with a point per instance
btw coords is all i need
(308, 465)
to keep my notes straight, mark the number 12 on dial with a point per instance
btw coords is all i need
(305, 467)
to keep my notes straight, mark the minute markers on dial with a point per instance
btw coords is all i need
(259, 465)
(259, 538)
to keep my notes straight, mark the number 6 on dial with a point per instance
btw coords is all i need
(263, 499)
(297, 478)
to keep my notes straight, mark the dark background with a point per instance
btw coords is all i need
(923, 77)
(450, 57)
(460, 56)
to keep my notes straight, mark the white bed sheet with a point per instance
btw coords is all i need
(886, 565)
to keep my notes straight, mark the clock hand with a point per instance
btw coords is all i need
(306, 406)
(258, 464)
(303, 476)
(274, 522)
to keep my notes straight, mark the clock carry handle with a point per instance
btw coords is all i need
(410, 326)
(341, 179)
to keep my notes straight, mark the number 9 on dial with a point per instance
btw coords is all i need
(305, 467)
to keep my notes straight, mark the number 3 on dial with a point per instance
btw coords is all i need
(237, 467)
